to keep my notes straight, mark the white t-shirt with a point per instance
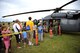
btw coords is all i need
(14, 27)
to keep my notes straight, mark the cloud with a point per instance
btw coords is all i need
(17, 6)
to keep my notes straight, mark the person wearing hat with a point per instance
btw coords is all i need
(30, 24)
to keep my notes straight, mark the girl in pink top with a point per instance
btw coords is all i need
(6, 39)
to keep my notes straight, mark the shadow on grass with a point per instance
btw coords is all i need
(72, 33)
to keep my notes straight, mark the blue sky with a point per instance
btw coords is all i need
(17, 6)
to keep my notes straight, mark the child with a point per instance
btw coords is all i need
(6, 39)
(40, 32)
(25, 39)
(51, 32)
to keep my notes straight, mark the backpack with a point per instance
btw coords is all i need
(28, 27)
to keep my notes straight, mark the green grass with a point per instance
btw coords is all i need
(67, 43)
(58, 44)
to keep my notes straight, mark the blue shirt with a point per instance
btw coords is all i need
(40, 29)
(24, 34)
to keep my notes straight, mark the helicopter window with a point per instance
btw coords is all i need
(64, 21)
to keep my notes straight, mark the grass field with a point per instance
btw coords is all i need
(66, 43)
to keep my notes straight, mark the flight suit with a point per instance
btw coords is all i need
(56, 28)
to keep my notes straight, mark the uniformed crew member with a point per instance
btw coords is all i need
(56, 27)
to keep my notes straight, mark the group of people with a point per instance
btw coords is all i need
(29, 31)
(55, 27)
(22, 33)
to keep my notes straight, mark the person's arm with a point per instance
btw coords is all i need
(26, 23)
(33, 23)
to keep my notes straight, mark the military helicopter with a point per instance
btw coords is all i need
(69, 21)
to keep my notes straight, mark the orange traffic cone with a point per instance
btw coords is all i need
(36, 44)
(59, 30)
(51, 33)
(36, 38)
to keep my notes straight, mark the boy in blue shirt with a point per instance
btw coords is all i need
(40, 32)
(25, 37)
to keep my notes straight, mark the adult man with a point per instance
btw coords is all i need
(56, 27)
(16, 29)
(30, 32)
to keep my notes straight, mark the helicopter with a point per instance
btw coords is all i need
(69, 21)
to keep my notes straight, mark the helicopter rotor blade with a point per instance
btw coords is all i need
(70, 9)
(67, 3)
(58, 9)
(55, 10)
(28, 12)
